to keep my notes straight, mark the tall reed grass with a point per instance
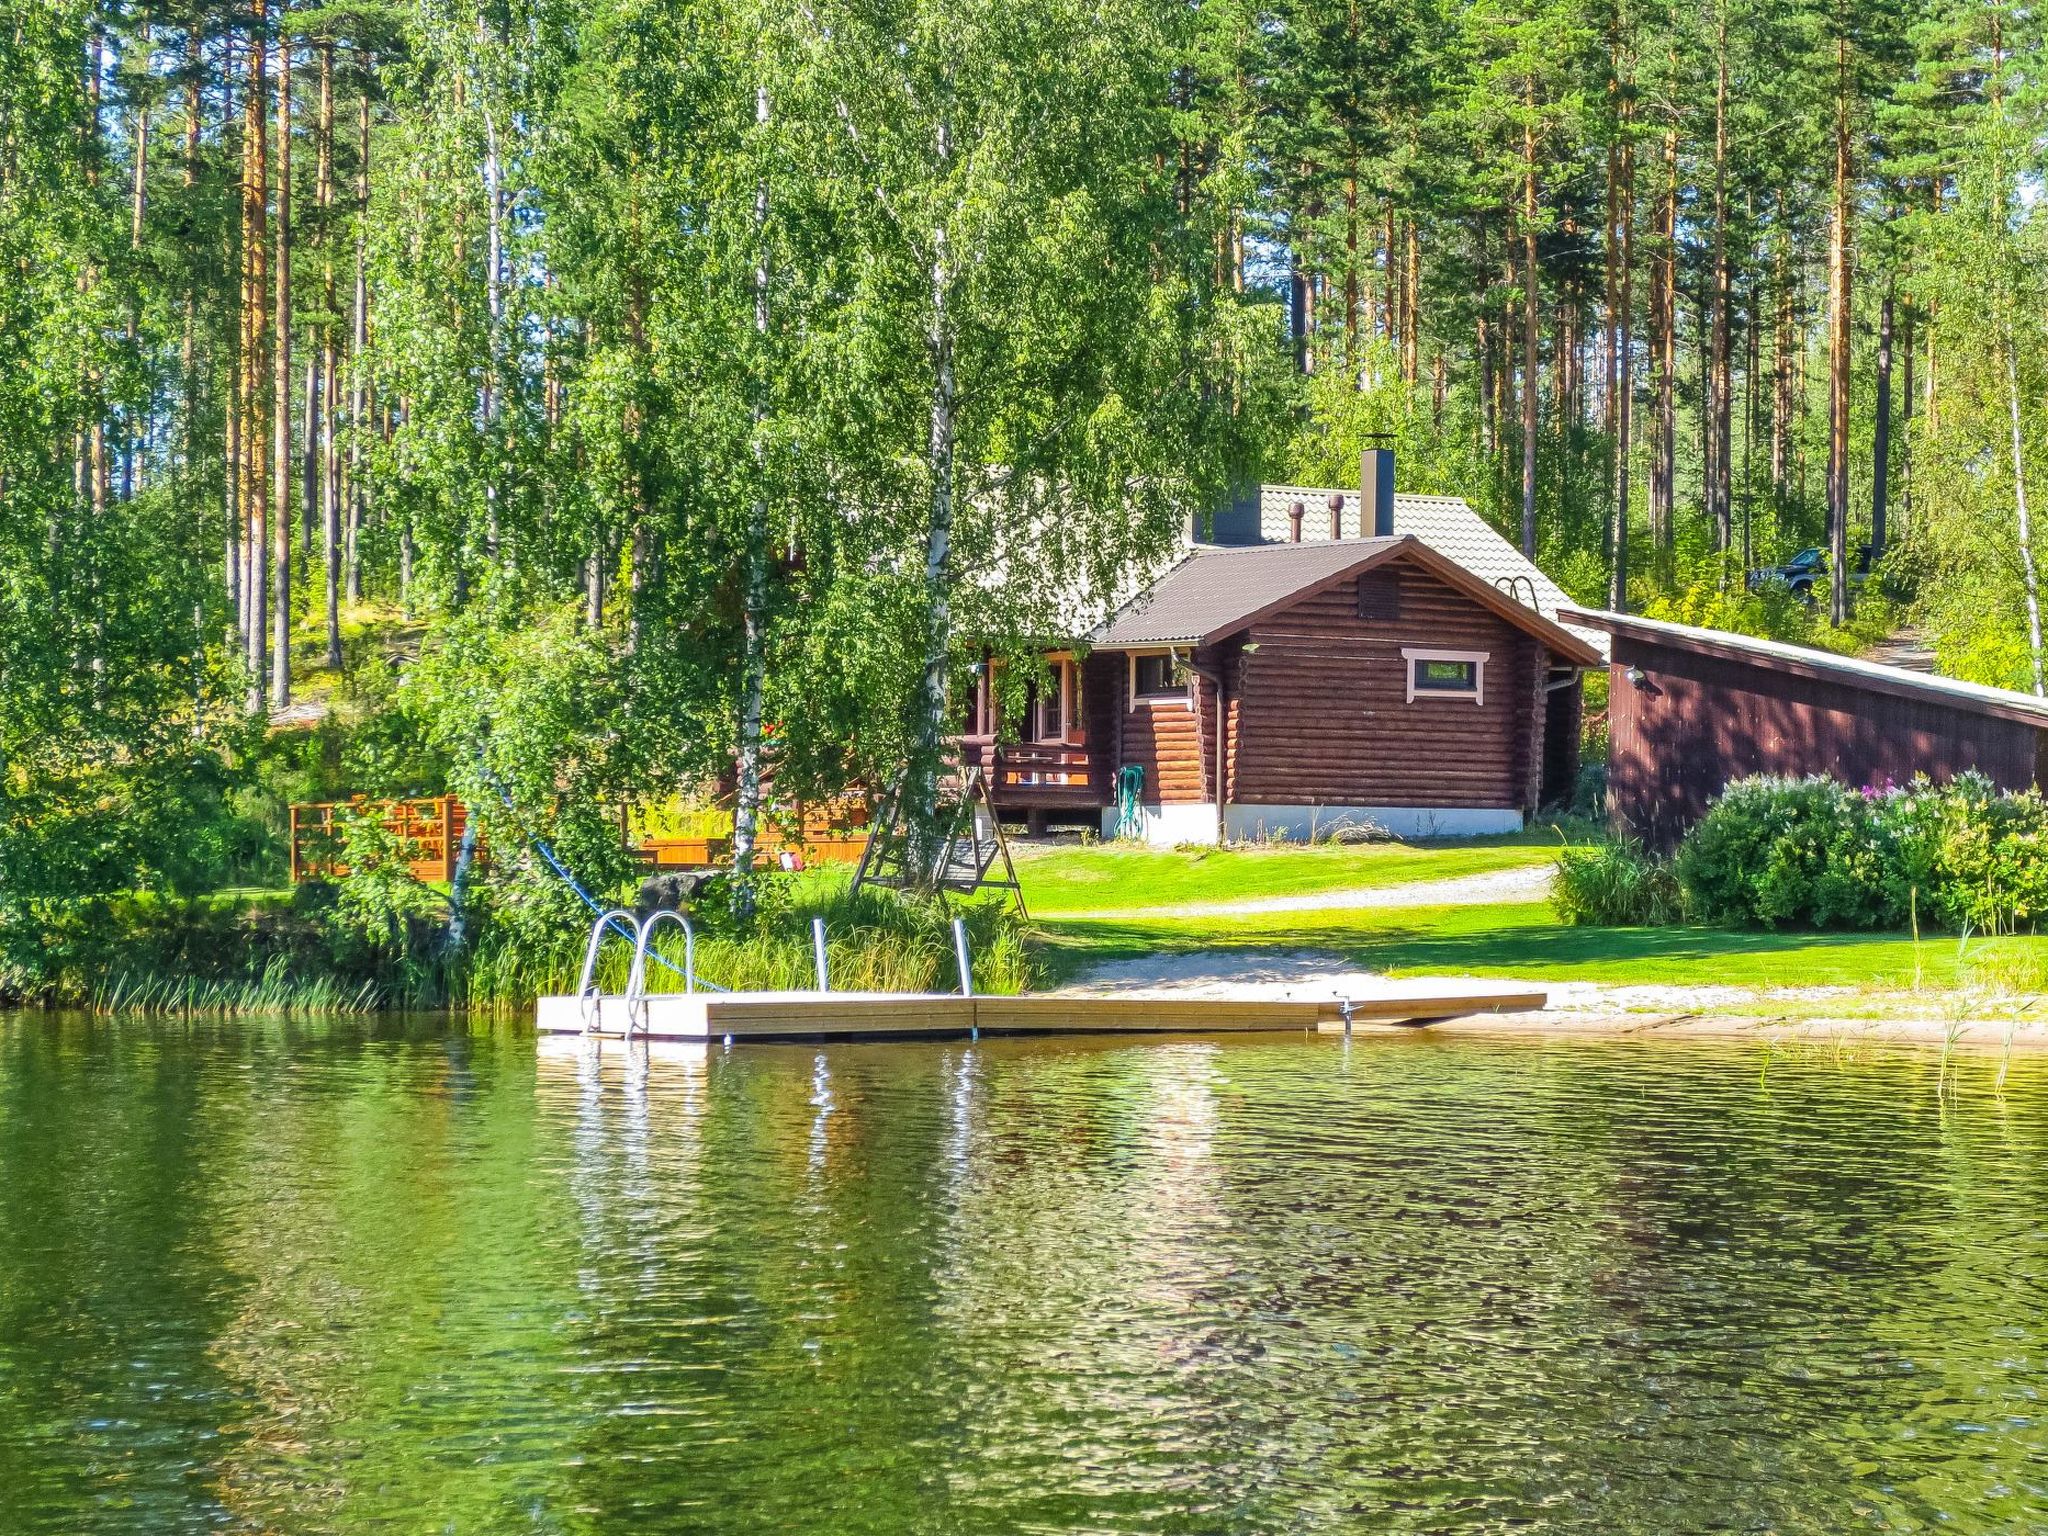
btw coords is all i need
(876, 942)
(275, 991)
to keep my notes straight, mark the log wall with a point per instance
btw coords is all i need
(1323, 716)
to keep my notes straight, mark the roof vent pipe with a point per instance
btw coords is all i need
(1295, 514)
(1376, 492)
(1336, 514)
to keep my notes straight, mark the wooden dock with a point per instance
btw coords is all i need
(887, 1015)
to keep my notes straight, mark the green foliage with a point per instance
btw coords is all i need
(1774, 851)
(1773, 613)
(1814, 853)
(1967, 855)
(1614, 884)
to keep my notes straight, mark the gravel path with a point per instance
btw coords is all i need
(1500, 885)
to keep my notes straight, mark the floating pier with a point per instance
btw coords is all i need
(701, 1012)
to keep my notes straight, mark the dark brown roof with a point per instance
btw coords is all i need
(1823, 666)
(1215, 592)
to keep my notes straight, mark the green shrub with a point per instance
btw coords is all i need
(1772, 851)
(1815, 853)
(1612, 885)
(1966, 854)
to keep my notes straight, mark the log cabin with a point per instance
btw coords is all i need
(1400, 672)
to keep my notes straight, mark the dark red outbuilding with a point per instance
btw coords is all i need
(1690, 710)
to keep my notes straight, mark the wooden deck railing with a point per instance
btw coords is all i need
(429, 832)
(1034, 772)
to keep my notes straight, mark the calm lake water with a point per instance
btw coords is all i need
(344, 1277)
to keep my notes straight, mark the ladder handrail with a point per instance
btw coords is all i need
(620, 921)
(636, 982)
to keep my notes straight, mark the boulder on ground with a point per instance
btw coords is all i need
(675, 892)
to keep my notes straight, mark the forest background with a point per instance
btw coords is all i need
(568, 402)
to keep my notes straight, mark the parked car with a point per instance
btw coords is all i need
(1800, 572)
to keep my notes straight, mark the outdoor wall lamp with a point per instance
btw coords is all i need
(1638, 677)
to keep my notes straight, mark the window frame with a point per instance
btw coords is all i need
(1179, 691)
(1059, 694)
(1412, 658)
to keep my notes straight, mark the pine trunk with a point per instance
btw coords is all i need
(1719, 462)
(1622, 389)
(1529, 330)
(256, 420)
(281, 384)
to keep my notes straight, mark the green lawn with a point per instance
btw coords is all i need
(1527, 940)
(1113, 878)
(1520, 940)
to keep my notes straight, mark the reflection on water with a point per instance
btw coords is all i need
(347, 1277)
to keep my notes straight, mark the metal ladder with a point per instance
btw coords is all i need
(620, 921)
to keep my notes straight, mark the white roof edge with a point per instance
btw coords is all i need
(1813, 656)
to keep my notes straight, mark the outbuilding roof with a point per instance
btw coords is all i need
(1825, 666)
(1217, 590)
(1447, 524)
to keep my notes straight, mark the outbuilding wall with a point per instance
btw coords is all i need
(1696, 722)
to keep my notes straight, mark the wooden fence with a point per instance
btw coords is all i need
(429, 832)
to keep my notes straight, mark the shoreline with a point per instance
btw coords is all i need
(1977, 1036)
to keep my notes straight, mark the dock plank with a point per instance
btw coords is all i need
(872, 1015)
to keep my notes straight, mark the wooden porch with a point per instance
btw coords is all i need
(1036, 775)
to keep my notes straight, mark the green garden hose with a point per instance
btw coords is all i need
(1130, 786)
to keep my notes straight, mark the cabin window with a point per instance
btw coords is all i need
(1379, 597)
(1445, 674)
(1157, 675)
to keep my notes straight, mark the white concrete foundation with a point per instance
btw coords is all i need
(1304, 823)
(1168, 826)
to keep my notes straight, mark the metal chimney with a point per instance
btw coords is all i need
(1376, 492)
(1336, 514)
(1295, 514)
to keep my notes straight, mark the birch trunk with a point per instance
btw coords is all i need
(2029, 575)
(928, 743)
(1881, 428)
(359, 344)
(330, 465)
(754, 637)
(1719, 462)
